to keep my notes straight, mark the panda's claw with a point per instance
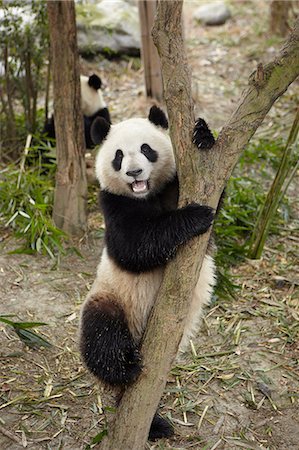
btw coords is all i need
(200, 217)
(202, 136)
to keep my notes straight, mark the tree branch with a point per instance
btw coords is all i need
(203, 176)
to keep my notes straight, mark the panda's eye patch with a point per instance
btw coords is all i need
(149, 153)
(116, 163)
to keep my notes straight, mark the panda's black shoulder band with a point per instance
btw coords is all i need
(99, 130)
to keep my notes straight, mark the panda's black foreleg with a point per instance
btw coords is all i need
(107, 346)
(202, 135)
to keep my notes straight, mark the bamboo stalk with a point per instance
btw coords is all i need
(274, 196)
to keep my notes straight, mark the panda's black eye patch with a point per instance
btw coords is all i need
(149, 153)
(116, 163)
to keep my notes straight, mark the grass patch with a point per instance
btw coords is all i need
(26, 204)
(25, 333)
(245, 195)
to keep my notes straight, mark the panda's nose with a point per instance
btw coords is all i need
(134, 173)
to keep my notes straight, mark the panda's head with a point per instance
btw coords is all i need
(136, 157)
(91, 95)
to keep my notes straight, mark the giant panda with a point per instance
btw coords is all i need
(144, 227)
(92, 104)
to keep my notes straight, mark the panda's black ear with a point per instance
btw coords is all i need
(158, 117)
(99, 130)
(95, 82)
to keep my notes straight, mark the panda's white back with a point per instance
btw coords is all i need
(135, 292)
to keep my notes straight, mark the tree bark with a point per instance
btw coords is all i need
(150, 57)
(203, 176)
(69, 211)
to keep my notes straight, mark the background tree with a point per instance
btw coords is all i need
(69, 211)
(279, 14)
(23, 42)
(150, 57)
(202, 178)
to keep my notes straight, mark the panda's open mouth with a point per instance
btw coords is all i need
(140, 186)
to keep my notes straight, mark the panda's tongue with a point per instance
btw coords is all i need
(139, 186)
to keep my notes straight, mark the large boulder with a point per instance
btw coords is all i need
(214, 13)
(109, 27)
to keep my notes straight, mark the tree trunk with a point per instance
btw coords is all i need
(8, 104)
(279, 14)
(150, 57)
(69, 211)
(202, 177)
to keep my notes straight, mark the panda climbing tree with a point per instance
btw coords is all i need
(202, 182)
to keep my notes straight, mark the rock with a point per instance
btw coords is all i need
(215, 13)
(110, 27)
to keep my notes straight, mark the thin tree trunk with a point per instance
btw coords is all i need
(69, 211)
(48, 79)
(202, 178)
(150, 57)
(279, 14)
(11, 123)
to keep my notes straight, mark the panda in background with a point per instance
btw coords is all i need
(92, 104)
(144, 228)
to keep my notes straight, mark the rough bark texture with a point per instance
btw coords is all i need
(69, 212)
(202, 178)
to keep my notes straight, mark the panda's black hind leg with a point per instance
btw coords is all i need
(202, 135)
(160, 428)
(107, 346)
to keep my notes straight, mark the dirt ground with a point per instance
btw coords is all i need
(239, 386)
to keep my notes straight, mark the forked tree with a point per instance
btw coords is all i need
(202, 177)
(69, 212)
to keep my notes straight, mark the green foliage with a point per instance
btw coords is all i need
(236, 220)
(245, 194)
(26, 202)
(29, 337)
(286, 171)
(97, 439)
(24, 46)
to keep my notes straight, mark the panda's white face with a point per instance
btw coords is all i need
(136, 159)
(91, 98)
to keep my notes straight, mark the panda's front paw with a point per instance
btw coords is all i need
(200, 217)
(202, 136)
